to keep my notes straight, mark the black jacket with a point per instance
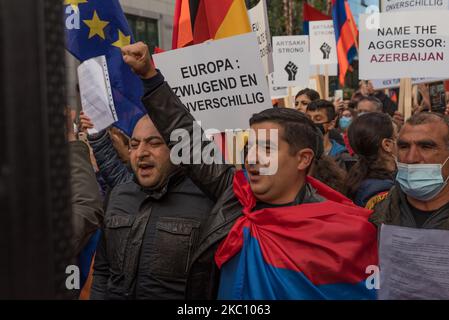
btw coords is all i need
(148, 240)
(215, 180)
(395, 210)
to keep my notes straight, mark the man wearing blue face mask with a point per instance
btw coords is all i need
(420, 198)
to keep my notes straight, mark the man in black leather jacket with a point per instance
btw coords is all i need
(151, 225)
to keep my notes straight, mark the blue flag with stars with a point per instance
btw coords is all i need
(99, 27)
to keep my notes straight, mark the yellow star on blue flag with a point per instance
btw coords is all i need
(103, 31)
(96, 26)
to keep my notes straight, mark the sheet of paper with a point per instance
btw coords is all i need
(414, 263)
(96, 93)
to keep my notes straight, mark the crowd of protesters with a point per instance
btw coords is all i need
(165, 231)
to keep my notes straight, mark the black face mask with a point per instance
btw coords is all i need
(321, 127)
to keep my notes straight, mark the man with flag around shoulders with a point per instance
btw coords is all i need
(278, 236)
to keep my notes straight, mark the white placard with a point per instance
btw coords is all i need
(407, 5)
(414, 5)
(323, 48)
(291, 61)
(276, 92)
(394, 83)
(96, 93)
(405, 45)
(222, 82)
(259, 24)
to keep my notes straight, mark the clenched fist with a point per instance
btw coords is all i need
(137, 56)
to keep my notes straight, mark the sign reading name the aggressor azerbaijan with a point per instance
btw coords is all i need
(405, 45)
(222, 83)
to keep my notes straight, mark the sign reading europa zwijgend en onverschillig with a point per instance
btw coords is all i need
(222, 83)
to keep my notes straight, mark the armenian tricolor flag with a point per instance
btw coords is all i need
(196, 21)
(346, 35)
(310, 13)
(308, 251)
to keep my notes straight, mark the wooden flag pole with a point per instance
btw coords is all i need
(290, 98)
(401, 104)
(408, 98)
(229, 137)
(286, 101)
(405, 97)
(326, 82)
(414, 95)
(319, 83)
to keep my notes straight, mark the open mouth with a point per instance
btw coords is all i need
(253, 174)
(145, 168)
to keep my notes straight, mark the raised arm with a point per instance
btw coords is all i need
(169, 114)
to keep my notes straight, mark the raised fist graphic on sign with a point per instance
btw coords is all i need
(292, 70)
(326, 50)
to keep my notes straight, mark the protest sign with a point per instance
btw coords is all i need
(405, 45)
(323, 48)
(221, 82)
(258, 17)
(276, 92)
(394, 83)
(291, 61)
(413, 5)
(407, 5)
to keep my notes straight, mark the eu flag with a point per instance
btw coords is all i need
(98, 28)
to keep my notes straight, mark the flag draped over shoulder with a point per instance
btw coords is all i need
(196, 21)
(346, 35)
(310, 13)
(309, 251)
(103, 30)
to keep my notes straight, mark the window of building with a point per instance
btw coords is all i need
(144, 29)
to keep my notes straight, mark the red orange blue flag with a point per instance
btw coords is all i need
(309, 251)
(346, 35)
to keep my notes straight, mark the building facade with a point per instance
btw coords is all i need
(151, 20)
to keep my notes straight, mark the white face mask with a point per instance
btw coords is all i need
(421, 181)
